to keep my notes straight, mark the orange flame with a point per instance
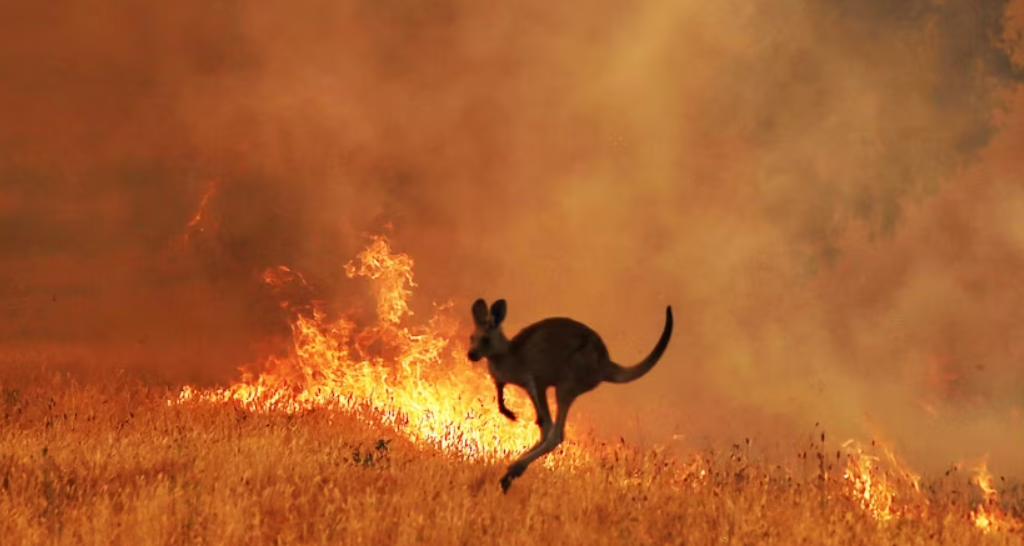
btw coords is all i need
(415, 379)
(196, 222)
(873, 488)
(984, 480)
(988, 516)
(872, 493)
(199, 219)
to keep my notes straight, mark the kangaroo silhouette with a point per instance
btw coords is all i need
(555, 352)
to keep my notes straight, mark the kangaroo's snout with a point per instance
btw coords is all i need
(474, 355)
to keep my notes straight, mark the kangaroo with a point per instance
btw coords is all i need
(555, 352)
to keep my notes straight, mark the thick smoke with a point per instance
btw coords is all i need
(818, 187)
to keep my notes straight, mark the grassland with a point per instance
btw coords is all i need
(110, 462)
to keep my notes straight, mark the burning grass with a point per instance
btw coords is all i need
(115, 464)
(412, 378)
(386, 434)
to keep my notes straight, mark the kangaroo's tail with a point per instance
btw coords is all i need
(621, 374)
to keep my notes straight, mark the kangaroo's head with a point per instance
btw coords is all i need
(487, 339)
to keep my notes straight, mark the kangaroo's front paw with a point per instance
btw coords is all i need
(507, 413)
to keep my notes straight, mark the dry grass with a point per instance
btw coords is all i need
(112, 463)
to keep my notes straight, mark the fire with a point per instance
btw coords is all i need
(196, 222)
(984, 480)
(873, 488)
(869, 491)
(988, 516)
(392, 273)
(199, 221)
(413, 378)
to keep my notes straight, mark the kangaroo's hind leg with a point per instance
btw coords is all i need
(564, 397)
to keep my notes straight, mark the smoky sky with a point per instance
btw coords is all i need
(939, 65)
(824, 190)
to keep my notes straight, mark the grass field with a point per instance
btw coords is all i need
(114, 463)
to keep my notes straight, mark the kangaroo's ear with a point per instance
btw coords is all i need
(498, 310)
(480, 316)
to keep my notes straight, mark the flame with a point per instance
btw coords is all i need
(982, 520)
(867, 487)
(984, 480)
(875, 489)
(196, 222)
(281, 276)
(413, 378)
(199, 222)
(988, 516)
(392, 273)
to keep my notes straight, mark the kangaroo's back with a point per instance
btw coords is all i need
(561, 350)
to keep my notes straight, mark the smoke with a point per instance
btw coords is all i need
(818, 187)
